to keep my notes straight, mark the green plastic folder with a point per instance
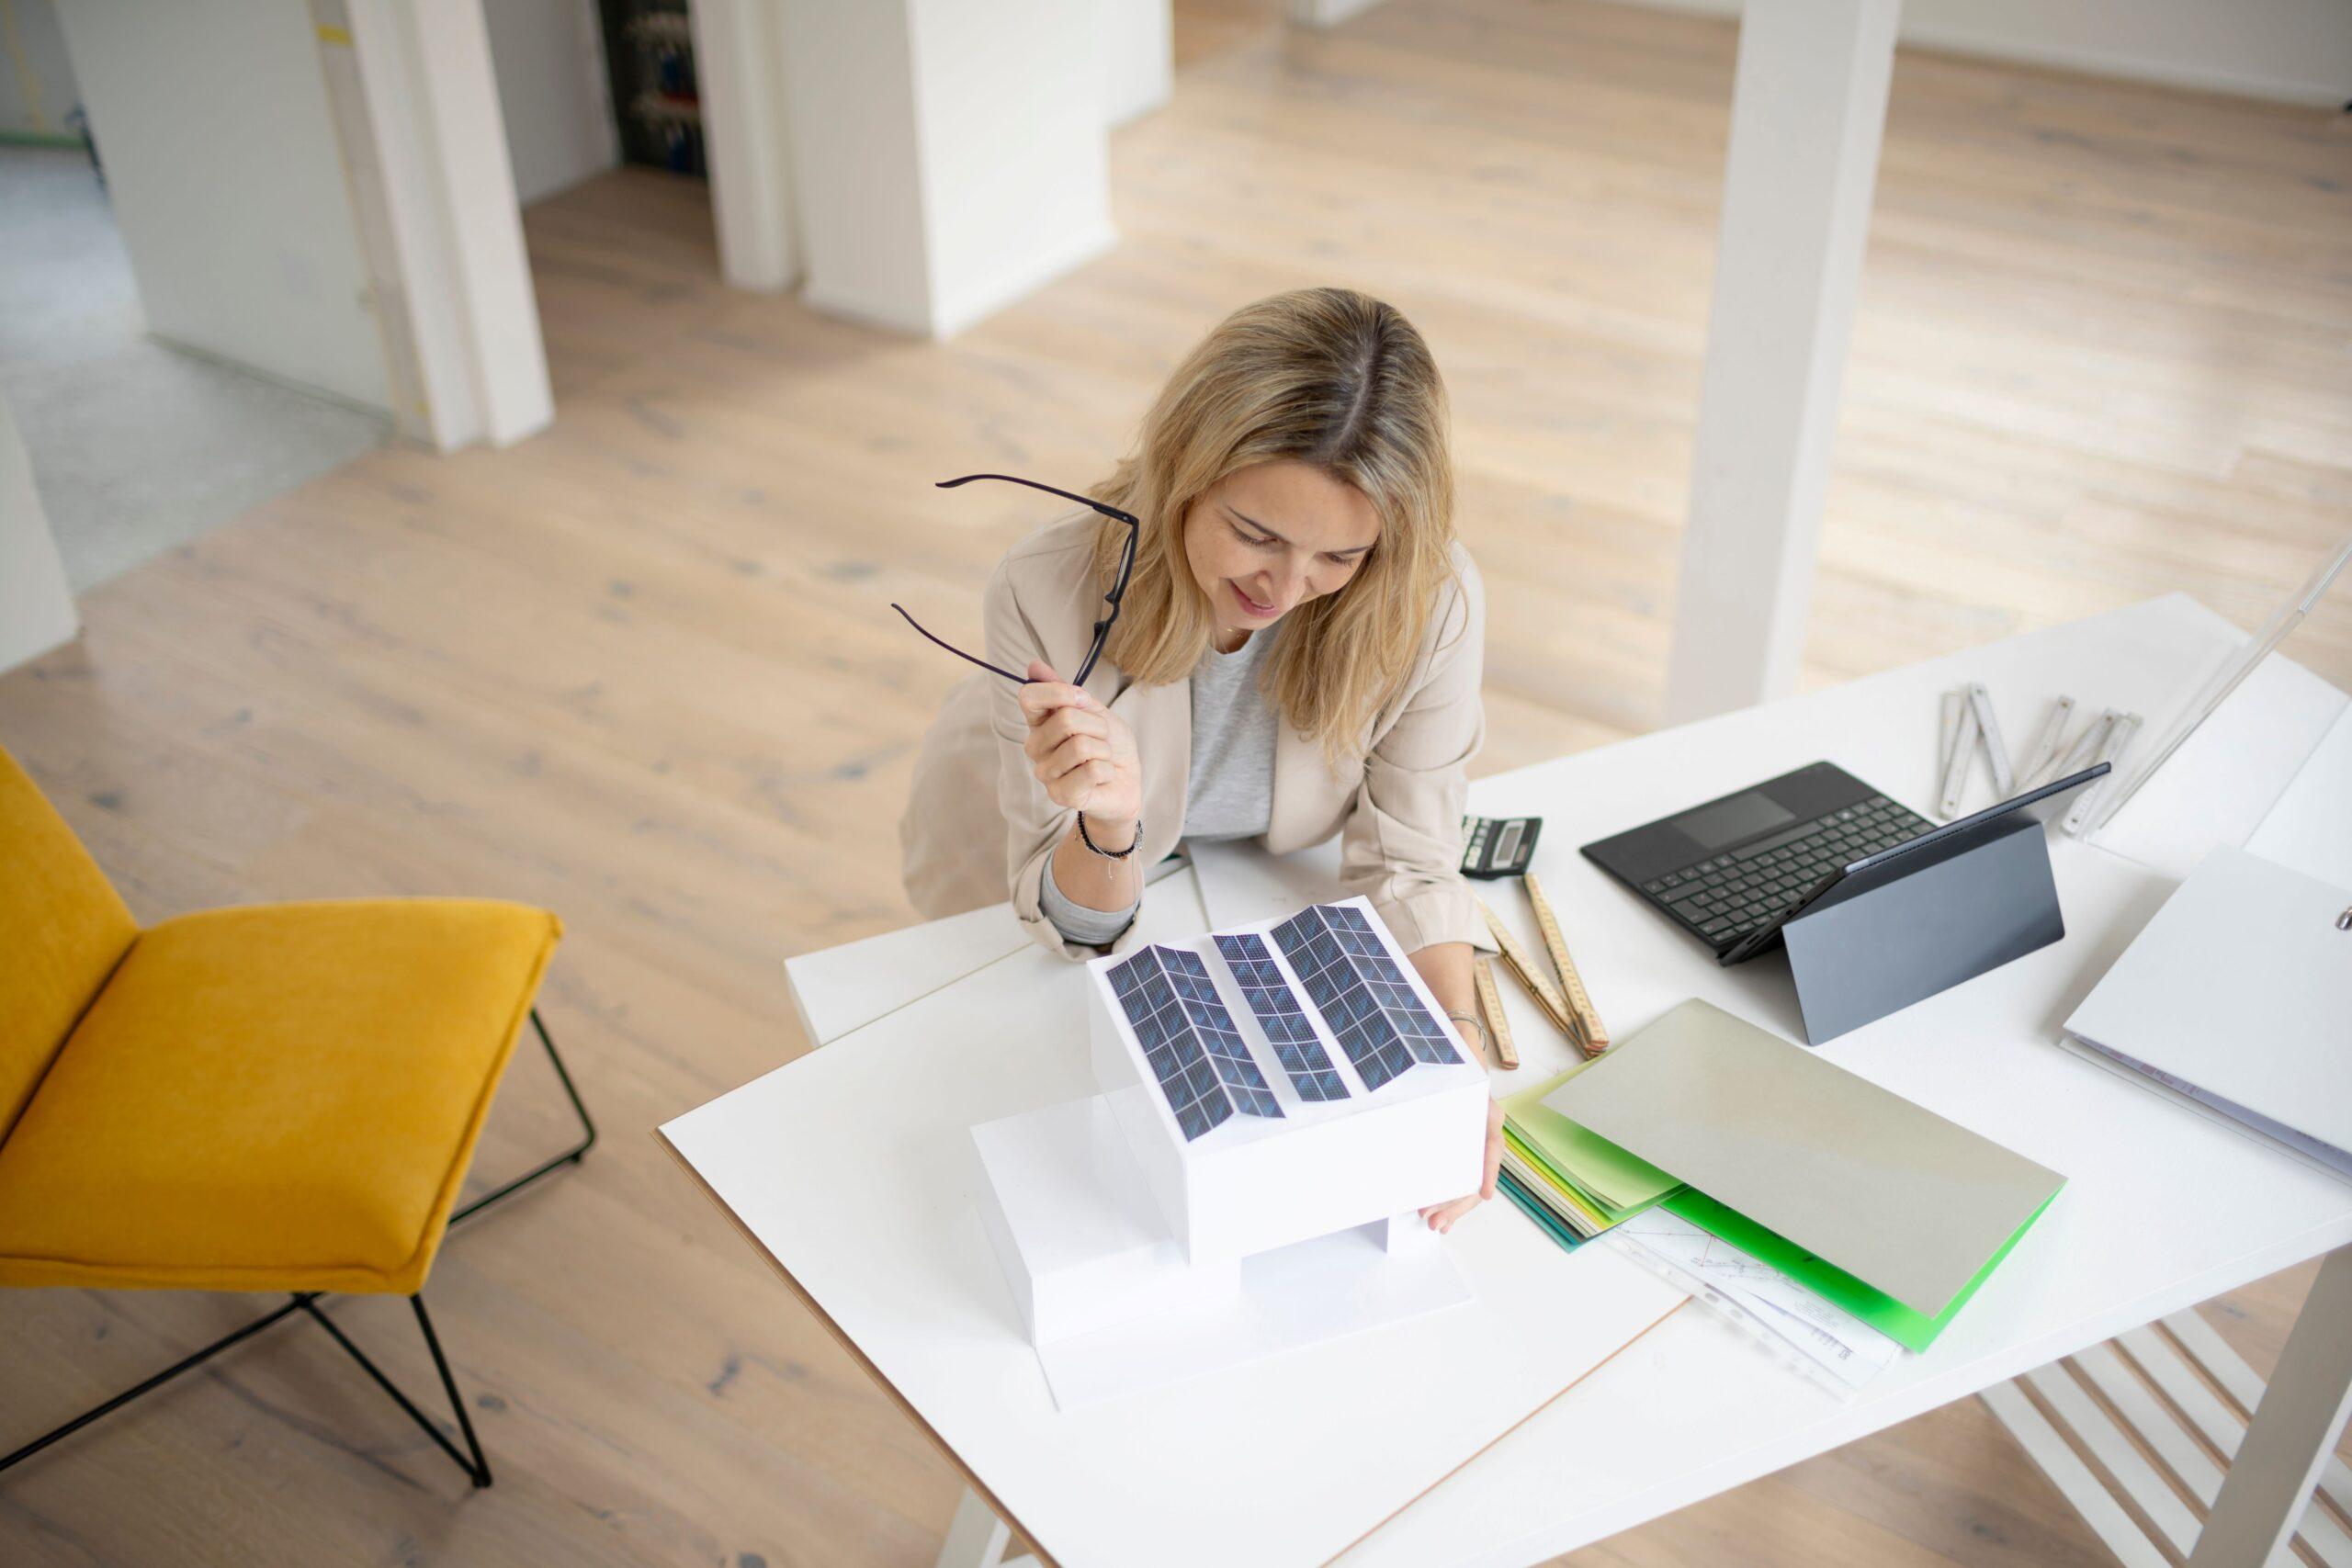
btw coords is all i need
(1912, 1330)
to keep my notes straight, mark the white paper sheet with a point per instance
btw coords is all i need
(2310, 829)
(1240, 883)
(2227, 775)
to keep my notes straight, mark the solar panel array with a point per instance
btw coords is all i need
(1194, 1050)
(1372, 1009)
(1282, 1016)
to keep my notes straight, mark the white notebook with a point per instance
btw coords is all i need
(2238, 998)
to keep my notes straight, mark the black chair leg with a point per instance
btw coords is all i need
(184, 1364)
(476, 1468)
(572, 1156)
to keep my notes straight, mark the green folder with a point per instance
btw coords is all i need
(1911, 1329)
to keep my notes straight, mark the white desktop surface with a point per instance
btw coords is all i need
(851, 1168)
(2162, 1209)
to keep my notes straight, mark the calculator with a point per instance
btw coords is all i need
(1495, 847)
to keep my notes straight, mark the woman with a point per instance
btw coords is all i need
(1296, 654)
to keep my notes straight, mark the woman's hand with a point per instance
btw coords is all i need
(1442, 1216)
(1083, 752)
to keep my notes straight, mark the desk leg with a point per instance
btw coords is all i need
(978, 1539)
(2293, 1433)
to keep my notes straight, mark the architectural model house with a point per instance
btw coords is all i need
(1262, 1087)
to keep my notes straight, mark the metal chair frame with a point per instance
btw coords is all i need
(472, 1461)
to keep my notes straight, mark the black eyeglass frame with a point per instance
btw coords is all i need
(1118, 585)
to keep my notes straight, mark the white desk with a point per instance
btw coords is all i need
(2163, 1209)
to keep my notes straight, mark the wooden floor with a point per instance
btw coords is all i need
(641, 670)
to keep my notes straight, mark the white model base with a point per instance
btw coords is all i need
(1082, 1245)
(1107, 1299)
(1308, 1293)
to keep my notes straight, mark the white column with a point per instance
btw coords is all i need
(1136, 55)
(35, 611)
(946, 157)
(1326, 13)
(436, 158)
(1807, 108)
(740, 68)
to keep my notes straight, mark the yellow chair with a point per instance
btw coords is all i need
(281, 1097)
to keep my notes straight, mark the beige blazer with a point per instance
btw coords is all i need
(979, 828)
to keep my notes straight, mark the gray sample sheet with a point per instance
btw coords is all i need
(1907, 1202)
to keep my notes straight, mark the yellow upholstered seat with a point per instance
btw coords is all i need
(283, 1097)
(280, 1096)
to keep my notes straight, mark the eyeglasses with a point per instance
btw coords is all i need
(1118, 584)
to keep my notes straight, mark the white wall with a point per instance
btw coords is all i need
(1016, 184)
(552, 88)
(1134, 56)
(37, 86)
(35, 611)
(222, 164)
(2297, 51)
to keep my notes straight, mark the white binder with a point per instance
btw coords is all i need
(2238, 1001)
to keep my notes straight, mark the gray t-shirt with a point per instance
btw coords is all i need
(1229, 789)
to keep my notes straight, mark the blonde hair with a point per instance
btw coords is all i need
(1322, 375)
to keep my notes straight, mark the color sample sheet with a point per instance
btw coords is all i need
(1618, 1179)
(1777, 1140)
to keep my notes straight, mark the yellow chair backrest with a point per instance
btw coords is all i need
(62, 930)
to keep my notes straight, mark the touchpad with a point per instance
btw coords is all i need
(1726, 822)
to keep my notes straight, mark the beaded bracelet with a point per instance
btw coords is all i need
(1088, 840)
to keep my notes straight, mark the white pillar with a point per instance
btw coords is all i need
(740, 68)
(1326, 13)
(35, 611)
(1808, 106)
(439, 160)
(947, 157)
(1136, 50)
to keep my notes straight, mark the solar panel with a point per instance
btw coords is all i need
(1280, 1016)
(1204, 1069)
(1365, 997)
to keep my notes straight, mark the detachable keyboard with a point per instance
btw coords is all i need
(1729, 870)
(1724, 899)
